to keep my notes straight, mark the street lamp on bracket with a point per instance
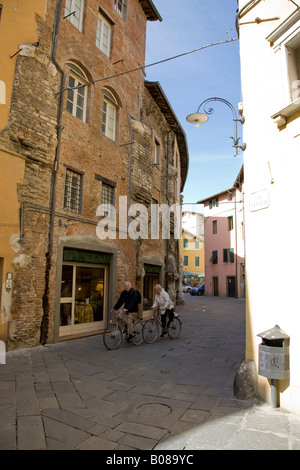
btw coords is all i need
(200, 118)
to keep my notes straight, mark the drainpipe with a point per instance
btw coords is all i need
(46, 296)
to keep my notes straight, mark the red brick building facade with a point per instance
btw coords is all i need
(90, 133)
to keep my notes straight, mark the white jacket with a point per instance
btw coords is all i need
(163, 301)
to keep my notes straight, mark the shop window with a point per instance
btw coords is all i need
(83, 297)
(151, 279)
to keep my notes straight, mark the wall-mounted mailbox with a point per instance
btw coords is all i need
(274, 357)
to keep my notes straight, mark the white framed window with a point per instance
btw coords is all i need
(73, 191)
(293, 61)
(103, 34)
(74, 11)
(109, 115)
(285, 40)
(77, 93)
(121, 6)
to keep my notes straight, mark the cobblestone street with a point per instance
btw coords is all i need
(170, 395)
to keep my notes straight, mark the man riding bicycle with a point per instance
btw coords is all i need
(129, 300)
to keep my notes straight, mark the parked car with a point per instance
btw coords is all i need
(185, 288)
(199, 290)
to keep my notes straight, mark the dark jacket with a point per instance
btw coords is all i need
(129, 299)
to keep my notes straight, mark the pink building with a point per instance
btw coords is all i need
(224, 242)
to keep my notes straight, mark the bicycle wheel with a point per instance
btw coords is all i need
(112, 336)
(150, 331)
(174, 328)
(137, 337)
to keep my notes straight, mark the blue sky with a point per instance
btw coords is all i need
(189, 80)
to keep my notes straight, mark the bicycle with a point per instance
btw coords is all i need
(117, 330)
(153, 325)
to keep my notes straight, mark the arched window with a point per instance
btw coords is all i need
(77, 94)
(109, 115)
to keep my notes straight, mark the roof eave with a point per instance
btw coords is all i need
(150, 10)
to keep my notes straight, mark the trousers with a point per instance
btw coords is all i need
(170, 314)
(128, 318)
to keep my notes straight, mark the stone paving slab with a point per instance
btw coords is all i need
(171, 395)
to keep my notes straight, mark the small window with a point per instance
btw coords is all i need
(197, 245)
(74, 12)
(103, 35)
(109, 115)
(157, 153)
(230, 222)
(73, 191)
(214, 258)
(121, 6)
(225, 255)
(185, 243)
(77, 93)
(231, 255)
(197, 261)
(215, 226)
(108, 194)
(185, 260)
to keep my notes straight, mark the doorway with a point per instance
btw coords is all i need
(231, 286)
(215, 286)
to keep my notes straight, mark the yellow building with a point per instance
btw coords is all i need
(17, 31)
(192, 257)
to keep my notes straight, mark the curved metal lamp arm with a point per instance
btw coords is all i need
(235, 120)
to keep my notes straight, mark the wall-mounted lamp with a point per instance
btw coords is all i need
(199, 118)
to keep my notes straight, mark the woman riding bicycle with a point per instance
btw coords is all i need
(163, 301)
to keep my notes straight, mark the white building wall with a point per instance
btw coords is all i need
(272, 169)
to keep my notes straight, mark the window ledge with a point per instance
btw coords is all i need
(281, 117)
